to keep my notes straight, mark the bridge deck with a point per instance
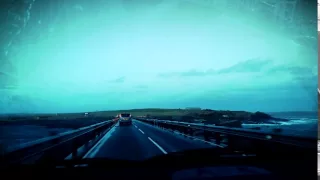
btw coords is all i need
(141, 141)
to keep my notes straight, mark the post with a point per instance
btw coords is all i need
(218, 138)
(206, 135)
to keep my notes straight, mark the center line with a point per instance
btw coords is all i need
(141, 131)
(161, 149)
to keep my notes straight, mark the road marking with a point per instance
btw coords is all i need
(211, 143)
(135, 126)
(96, 148)
(158, 146)
(181, 134)
(141, 131)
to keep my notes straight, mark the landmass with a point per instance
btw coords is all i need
(19, 128)
(195, 115)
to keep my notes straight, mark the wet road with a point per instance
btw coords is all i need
(140, 141)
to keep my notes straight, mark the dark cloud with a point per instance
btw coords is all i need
(309, 85)
(303, 78)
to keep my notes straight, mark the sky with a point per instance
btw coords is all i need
(168, 56)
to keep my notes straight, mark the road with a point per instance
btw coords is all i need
(141, 141)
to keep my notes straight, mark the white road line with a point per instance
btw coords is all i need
(141, 131)
(211, 143)
(95, 149)
(135, 126)
(161, 149)
(178, 133)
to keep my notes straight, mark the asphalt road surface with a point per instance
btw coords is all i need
(141, 141)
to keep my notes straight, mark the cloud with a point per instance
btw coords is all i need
(309, 84)
(308, 41)
(248, 66)
(264, 68)
(306, 77)
(295, 70)
(118, 80)
(189, 73)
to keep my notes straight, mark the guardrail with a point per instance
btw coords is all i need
(237, 138)
(57, 147)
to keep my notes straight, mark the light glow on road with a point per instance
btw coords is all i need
(95, 149)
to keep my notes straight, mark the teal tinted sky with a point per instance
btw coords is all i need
(170, 56)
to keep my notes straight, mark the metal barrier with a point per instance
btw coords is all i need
(237, 138)
(55, 148)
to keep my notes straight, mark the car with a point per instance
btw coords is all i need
(125, 119)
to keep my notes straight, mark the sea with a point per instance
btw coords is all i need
(303, 124)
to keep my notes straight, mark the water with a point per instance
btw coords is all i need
(299, 124)
(14, 135)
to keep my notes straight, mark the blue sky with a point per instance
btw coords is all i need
(167, 57)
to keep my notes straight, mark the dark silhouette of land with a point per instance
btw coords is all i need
(207, 116)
